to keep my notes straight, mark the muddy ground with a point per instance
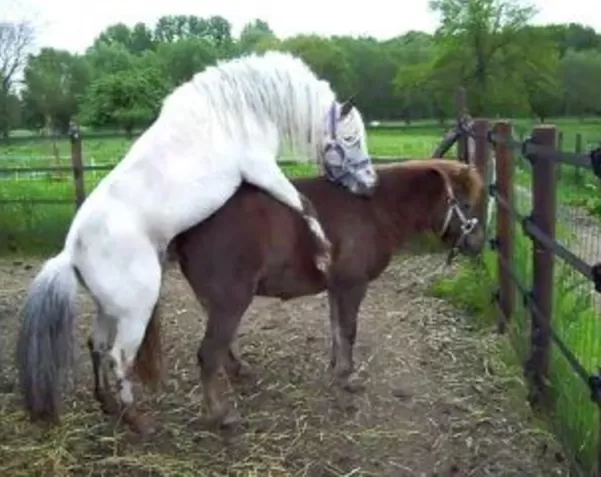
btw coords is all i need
(438, 402)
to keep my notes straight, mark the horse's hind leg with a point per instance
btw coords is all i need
(98, 345)
(266, 174)
(127, 292)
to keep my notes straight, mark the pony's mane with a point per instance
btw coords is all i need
(460, 174)
(255, 94)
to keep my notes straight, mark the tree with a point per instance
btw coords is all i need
(55, 81)
(15, 40)
(581, 78)
(127, 98)
(182, 59)
(327, 60)
(474, 37)
(253, 34)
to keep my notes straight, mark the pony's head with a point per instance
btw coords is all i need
(345, 156)
(454, 221)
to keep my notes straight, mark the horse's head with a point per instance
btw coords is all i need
(454, 221)
(345, 155)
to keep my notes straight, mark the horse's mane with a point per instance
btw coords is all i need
(255, 94)
(462, 175)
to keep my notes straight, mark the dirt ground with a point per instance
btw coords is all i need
(438, 402)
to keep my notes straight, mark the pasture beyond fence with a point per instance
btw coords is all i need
(558, 344)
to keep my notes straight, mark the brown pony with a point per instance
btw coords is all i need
(255, 246)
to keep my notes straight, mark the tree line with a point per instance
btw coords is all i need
(510, 67)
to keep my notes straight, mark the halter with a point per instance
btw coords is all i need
(467, 224)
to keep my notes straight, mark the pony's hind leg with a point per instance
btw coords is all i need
(266, 174)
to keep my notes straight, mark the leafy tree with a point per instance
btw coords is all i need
(580, 73)
(127, 98)
(254, 34)
(15, 40)
(182, 59)
(327, 60)
(474, 38)
(55, 81)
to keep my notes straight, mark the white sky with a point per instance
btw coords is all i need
(73, 24)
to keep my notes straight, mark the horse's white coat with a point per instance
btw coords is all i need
(225, 125)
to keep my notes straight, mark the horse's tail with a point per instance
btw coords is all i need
(45, 341)
(148, 365)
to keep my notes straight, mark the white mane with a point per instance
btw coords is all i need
(255, 94)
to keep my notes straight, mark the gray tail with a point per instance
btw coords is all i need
(45, 342)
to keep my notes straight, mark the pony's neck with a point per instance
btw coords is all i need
(406, 207)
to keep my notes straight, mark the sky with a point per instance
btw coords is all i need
(73, 24)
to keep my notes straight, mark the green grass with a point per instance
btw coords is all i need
(575, 319)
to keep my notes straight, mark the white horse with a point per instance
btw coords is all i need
(226, 125)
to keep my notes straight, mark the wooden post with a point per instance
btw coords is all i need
(544, 194)
(77, 165)
(577, 170)
(505, 224)
(482, 159)
(461, 107)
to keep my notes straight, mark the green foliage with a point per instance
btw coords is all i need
(55, 84)
(508, 66)
(126, 98)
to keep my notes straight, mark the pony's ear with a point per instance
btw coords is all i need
(347, 106)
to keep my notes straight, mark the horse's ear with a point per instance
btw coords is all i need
(347, 106)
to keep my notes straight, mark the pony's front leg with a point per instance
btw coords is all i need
(264, 172)
(344, 308)
(236, 367)
(213, 354)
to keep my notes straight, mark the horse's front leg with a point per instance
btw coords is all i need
(264, 172)
(344, 308)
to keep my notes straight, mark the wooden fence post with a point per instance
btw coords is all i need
(577, 170)
(505, 224)
(544, 192)
(77, 165)
(482, 158)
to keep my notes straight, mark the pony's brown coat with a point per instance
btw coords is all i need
(255, 245)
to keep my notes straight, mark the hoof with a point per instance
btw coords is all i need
(139, 423)
(352, 384)
(241, 370)
(224, 420)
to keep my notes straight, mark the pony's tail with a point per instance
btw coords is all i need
(45, 342)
